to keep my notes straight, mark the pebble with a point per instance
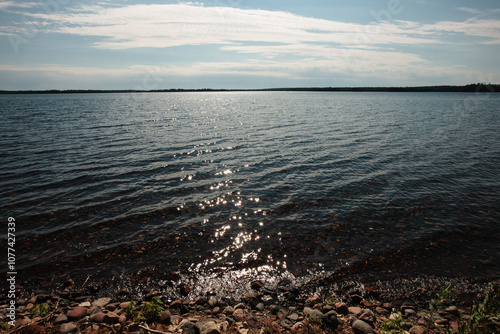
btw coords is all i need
(77, 313)
(111, 318)
(361, 327)
(189, 327)
(342, 308)
(124, 305)
(418, 330)
(357, 311)
(356, 299)
(61, 319)
(176, 304)
(298, 326)
(313, 313)
(239, 315)
(212, 301)
(98, 317)
(410, 312)
(382, 311)
(165, 317)
(229, 310)
(240, 306)
(85, 304)
(313, 300)
(68, 328)
(210, 328)
(331, 319)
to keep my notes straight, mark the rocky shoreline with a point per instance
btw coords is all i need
(257, 307)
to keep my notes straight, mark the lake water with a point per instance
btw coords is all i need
(377, 184)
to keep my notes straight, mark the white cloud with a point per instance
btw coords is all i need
(180, 24)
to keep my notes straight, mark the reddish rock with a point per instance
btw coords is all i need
(98, 317)
(77, 313)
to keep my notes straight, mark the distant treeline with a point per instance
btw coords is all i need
(472, 88)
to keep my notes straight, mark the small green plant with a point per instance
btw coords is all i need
(483, 314)
(331, 300)
(152, 309)
(131, 308)
(394, 325)
(4, 325)
(41, 310)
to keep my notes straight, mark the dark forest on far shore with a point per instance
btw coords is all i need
(471, 88)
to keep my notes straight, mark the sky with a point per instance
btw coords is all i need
(133, 44)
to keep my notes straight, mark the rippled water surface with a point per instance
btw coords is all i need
(380, 183)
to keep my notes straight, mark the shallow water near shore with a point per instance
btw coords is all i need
(381, 185)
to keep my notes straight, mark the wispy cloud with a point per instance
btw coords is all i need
(160, 26)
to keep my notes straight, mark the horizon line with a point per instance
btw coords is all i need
(475, 87)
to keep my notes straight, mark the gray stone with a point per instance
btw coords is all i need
(124, 305)
(382, 311)
(331, 319)
(313, 313)
(293, 317)
(189, 327)
(85, 304)
(410, 312)
(212, 301)
(210, 328)
(357, 311)
(61, 319)
(68, 328)
(260, 307)
(361, 327)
